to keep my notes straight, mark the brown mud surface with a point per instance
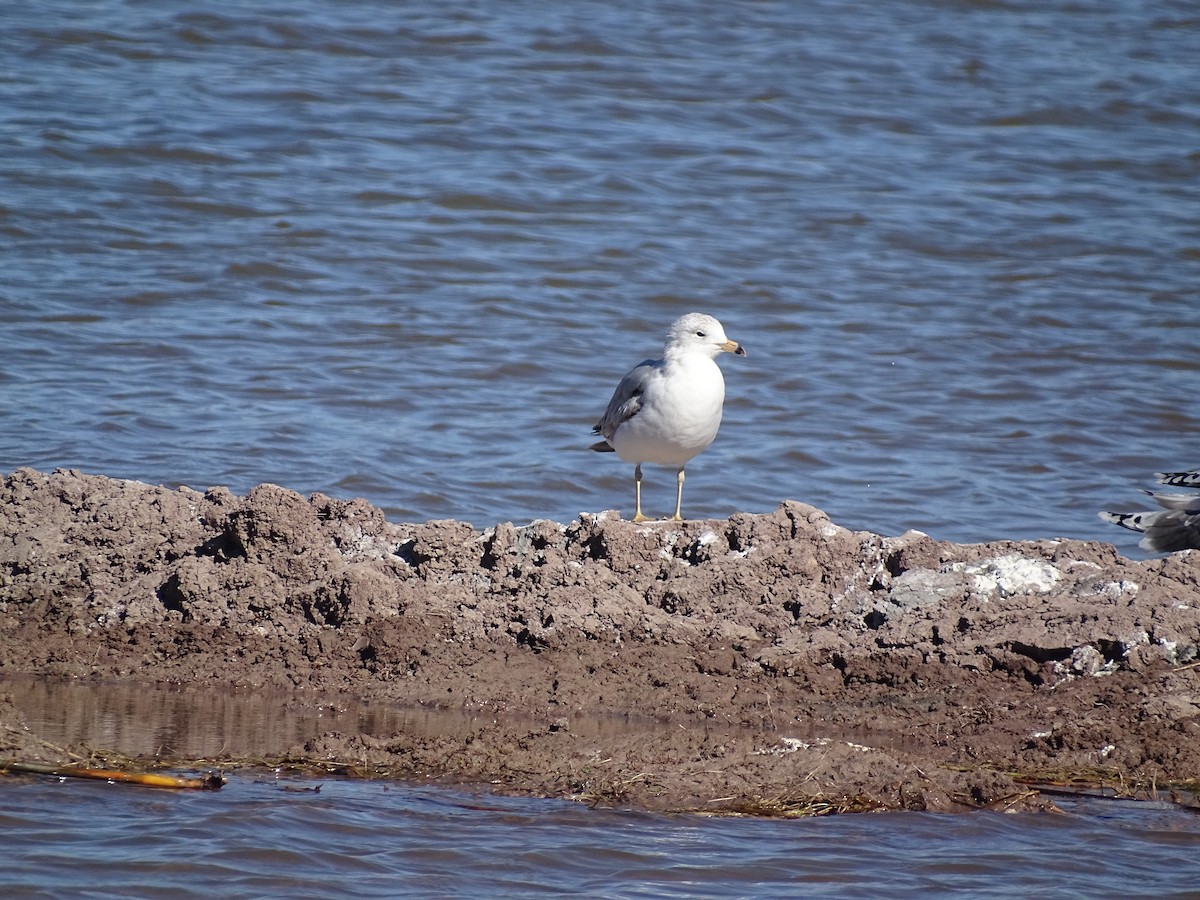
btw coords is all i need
(769, 663)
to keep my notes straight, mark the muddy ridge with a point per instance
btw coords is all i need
(779, 661)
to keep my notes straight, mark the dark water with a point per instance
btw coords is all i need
(404, 251)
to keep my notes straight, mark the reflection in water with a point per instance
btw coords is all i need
(209, 722)
(204, 723)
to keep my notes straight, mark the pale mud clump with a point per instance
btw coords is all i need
(775, 664)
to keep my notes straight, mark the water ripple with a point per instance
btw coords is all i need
(408, 253)
(370, 840)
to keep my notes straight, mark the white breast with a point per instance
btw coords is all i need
(679, 416)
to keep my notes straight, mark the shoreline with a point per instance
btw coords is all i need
(778, 662)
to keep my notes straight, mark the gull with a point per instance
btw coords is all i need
(1174, 527)
(667, 410)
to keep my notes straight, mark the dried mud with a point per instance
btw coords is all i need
(772, 664)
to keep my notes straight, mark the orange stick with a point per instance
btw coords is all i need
(210, 781)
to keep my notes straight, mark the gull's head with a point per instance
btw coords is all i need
(700, 333)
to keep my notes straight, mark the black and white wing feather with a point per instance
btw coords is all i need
(1174, 527)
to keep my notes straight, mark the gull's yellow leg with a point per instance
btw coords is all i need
(637, 490)
(678, 517)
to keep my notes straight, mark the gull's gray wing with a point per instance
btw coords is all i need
(626, 401)
(1187, 502)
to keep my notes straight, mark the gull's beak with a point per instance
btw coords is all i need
(734, 347)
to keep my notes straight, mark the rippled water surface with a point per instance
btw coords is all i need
(405, 251)
(268, 837)
(272, 835)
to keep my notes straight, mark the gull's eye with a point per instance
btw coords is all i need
(699, 334)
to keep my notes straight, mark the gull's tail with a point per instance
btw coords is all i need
(1179, 479)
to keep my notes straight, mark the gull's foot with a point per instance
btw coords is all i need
(638, 519)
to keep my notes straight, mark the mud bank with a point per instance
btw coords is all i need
(768, 663)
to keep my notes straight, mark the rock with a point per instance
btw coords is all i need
(746, 632)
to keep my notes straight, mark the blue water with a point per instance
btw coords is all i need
(273, 834)
(405, 252)
(258, 838)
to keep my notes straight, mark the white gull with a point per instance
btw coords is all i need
(667, 410)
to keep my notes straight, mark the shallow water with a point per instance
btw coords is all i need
(184, 722)
(405, 252)
(268, 834)
(270, 837)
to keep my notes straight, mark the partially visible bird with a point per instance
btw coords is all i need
(1174, 527)
(667, 410)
